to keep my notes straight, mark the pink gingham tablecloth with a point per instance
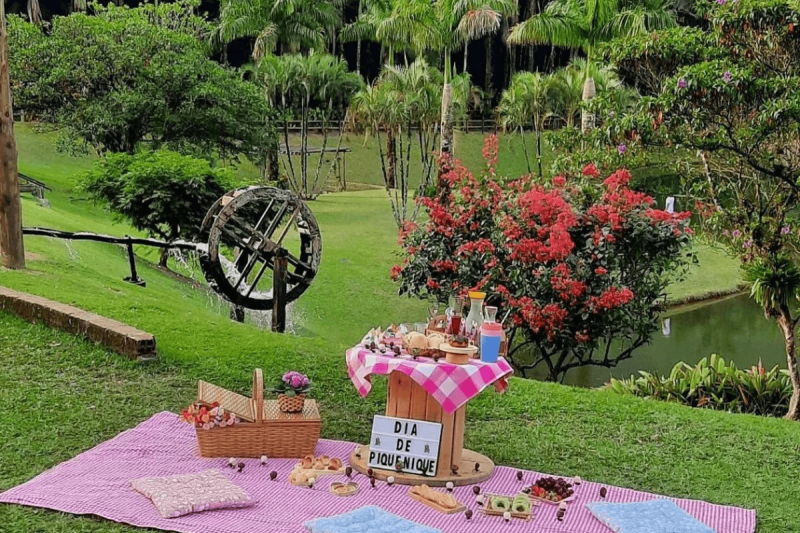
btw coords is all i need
(451, 385)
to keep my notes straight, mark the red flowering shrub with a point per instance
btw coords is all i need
(580, 264)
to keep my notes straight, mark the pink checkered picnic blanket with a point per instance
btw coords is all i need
(451, 385)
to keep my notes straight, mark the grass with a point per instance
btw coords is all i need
(68, 396)
(716, 274)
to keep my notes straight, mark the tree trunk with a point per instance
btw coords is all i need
(358, 42)
(787, 324)
(487, 78)
(539, 151)
(391, 155)
(12, 250)
(587, 117)
(273, 164)
(34, 12)
(358, 57)
(163, 258)
(447, 119)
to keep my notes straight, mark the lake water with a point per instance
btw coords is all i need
(734, 328)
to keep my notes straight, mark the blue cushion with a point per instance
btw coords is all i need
(655, 516)
(369, 519)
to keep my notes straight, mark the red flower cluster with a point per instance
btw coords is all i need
(407, 229)
(610, 299)
(491, 149)
(537, 250)
(395, 272)
(545, 319)
(591, 171)
(569, 290)
(481, 246)
(447, 265)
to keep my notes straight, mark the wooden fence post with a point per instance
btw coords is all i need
(12, 250)
(279, 291)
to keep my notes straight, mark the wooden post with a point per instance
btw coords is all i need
(12, 250)
(279, 291)
(134, 277)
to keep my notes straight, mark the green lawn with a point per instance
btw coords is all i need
(66, 395)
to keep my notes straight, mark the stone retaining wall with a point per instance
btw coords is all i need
(119, 337)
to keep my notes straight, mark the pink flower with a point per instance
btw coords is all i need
(559, 181)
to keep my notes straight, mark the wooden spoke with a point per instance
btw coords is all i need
(226, 225)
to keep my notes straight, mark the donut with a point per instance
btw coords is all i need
(319, 464)
(335, 463)
(308, 461)
(325, 459)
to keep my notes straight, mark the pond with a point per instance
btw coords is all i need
(734, 328)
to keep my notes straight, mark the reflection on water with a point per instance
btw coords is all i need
(734, 328)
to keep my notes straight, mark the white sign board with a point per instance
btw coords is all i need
(670, 204)
(413, 443)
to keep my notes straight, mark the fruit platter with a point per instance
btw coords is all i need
(519, 506)
(552, 490)
(312, 468)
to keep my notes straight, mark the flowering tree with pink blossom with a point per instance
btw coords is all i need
(580, 264)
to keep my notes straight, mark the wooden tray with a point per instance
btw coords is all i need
(460, 509)
(469, 350)
(316, 474)
(351, 485)
(488, 510)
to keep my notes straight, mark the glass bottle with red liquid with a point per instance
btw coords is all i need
(455, 315)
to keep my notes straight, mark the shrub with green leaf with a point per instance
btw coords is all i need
(715, 385)
(123, 77)
(163, 193)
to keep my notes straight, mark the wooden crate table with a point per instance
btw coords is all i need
(435, 392)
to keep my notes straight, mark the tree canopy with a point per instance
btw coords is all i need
(123, 77)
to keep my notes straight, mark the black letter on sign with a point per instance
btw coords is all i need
(398, 427)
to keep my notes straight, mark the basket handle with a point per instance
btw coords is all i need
(258, 394)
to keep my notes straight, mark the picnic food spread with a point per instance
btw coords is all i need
(433, 372)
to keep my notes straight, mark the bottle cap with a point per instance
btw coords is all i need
(476, 294)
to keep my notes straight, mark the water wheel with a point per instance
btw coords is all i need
(245, 230)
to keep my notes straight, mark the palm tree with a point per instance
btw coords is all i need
(373, 16)
(292, 24)
(583, 24)
(568, 83)
(402, 102)
(775, 283)
(293, 81)
(528, 100)
(442, 26)
(457, 22)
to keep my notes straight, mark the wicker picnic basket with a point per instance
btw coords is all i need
(264, 429)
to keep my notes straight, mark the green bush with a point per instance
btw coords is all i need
(163, 193)
(714, 385)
